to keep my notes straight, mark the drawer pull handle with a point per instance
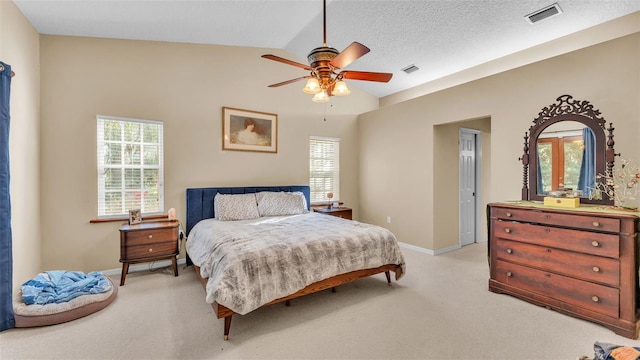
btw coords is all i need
(509, 274)
(507, 230)
(595, 243)
(509, 251)
(150, 250)
(596, 224)
(548, 250)
(150, 236)
(548, 217)
(509, 214)
(595, 298)
(596, 269)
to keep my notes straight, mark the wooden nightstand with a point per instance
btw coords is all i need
(343, 212)
(147, 242)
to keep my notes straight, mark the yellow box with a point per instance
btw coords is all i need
(562, 202)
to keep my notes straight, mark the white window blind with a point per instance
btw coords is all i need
(130, 166)
(324, 168)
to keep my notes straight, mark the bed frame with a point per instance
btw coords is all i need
(200, 207)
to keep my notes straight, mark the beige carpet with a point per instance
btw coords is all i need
(441, 309)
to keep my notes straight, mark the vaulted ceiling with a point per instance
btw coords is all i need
(439, 37)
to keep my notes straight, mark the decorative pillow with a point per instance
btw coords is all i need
(281, 203)
(235, 207)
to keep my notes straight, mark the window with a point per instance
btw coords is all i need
(324, 168)
(130, 166)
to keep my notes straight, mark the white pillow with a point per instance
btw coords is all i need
(235, 207)
(281, 203)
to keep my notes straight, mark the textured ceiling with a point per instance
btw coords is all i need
(441, 37)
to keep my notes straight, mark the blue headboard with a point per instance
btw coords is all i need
(200, 200)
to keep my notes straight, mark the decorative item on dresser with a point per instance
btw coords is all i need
(148, 241)
(581, 262)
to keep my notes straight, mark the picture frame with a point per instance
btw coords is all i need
(135, 216)
(247, 130)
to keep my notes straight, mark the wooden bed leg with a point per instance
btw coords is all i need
(227, 326)
(287, 303)
(388, 277)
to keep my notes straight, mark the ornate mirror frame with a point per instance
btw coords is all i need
(567, 109)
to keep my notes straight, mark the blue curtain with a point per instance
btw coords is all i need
(540, 188)
(7, 320)
(587, 178)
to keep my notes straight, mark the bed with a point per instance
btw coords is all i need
(256, 246)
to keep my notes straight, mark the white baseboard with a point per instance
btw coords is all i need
(416, 248)
(143, 267)
(429, 251)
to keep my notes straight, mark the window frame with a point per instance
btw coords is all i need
(101, 166)
(315, 199)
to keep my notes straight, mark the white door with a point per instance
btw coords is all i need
(467, 186)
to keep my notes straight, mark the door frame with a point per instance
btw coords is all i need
(478, 184)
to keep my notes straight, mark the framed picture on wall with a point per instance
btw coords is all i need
(135, 216)
(246, 130)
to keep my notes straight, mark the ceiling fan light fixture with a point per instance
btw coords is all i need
(312, 87)
(322, 96)
(341, 89)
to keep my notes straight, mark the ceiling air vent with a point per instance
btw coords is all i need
(544, 13)
(411, 68)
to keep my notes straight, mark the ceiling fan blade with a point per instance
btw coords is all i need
(289, 81)
(367, 76)
(285, 61)
(350, 54)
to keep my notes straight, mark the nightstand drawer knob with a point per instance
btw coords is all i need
(150, 250)
(595, 298)
(509, 274)
(596, 224)
(596, 269)
(509, 214)
(509, 251)
(150, 236)
(595, 243)
(507, 230)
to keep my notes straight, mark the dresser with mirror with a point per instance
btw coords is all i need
(583, 261)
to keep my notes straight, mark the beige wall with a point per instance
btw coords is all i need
(19, 47)
(185, 86)
(398, 142)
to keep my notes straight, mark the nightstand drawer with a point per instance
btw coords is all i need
(141, 252)
(344, 212)
(148, 241)
(150, 236)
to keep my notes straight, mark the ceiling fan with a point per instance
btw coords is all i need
(324, 61)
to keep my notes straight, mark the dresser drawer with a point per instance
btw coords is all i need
(575, 240)
(586, 222)
(594, 297)
(141, 252)
(582, 266)
(150, 236)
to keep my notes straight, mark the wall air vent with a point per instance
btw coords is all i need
(544, 13)
(411, 68)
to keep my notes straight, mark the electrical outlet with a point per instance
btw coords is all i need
(388, 219)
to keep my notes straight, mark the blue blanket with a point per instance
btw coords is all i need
(60, 286)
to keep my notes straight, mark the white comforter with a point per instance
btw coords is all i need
(250, 263)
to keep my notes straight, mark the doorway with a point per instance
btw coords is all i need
(470, 157)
